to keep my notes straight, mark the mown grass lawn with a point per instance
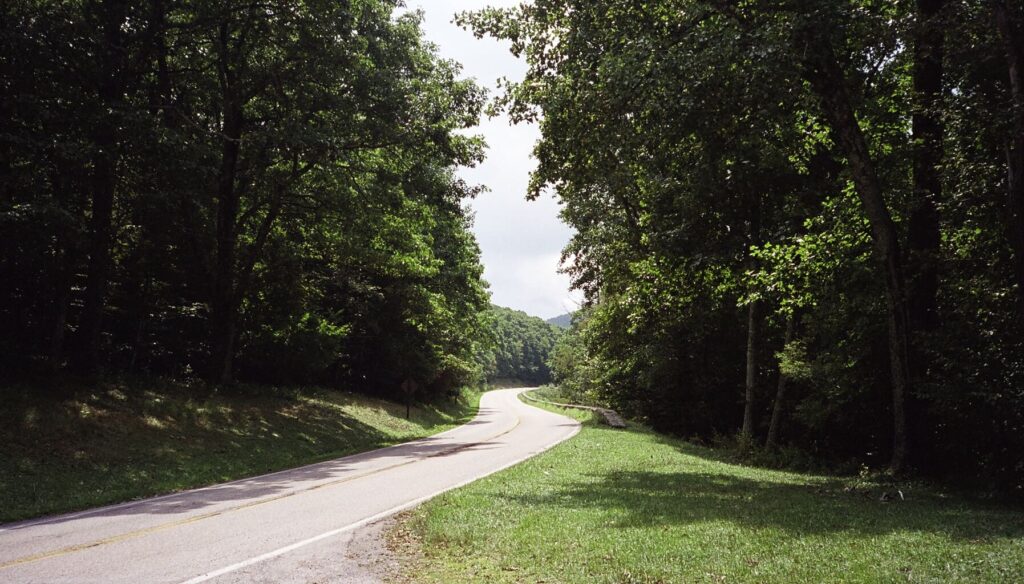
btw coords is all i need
(634, 506)
(124, 440)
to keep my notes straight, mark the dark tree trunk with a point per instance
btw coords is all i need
(104, 183)
(225, 328)
(224, 304)
(754, 323)
(165, 93)
(137, 343)
(1008, 21)
(172, 118)
(62, 268)
(100, 240)
(61, 300)
(780, 392)
(753, 355)
(140, 312)
(924, 236)
(823, 72)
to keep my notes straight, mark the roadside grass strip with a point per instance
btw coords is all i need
(131, 439)
(635, 506)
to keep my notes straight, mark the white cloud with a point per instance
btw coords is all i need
(520, 240)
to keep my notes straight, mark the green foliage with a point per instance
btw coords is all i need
(793, 361)
(286, 207)
(519, 346)
(697, 154)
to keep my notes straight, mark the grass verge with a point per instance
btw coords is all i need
(635, 506)
(129, 439)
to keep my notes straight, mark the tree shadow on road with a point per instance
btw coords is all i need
(59, 453)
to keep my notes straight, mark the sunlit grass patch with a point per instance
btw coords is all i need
(634, 506)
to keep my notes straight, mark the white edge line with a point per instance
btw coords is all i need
(363, 522)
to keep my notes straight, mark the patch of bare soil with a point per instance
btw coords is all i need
(383, 551)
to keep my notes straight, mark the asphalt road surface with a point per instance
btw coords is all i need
(282, 527)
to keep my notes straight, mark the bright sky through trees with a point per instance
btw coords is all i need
(520, 240)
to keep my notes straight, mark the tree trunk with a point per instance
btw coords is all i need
(140, 312)
(225, 326)
(165, 93)
(100, 240)
(61, 300)
(225, 312)
(780, 392)
(104, 183)
(63, 270)
(822, 71)
(753, 350)
(928, 129)
(225, 305)
(1009, 26)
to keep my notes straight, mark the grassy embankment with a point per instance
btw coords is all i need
(635, 506)
(124, 440)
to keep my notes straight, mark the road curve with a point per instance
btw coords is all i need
(263, 528)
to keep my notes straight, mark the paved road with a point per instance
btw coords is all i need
(277, 527)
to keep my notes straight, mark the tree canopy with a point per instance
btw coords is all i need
(263, 191)
(519, 347)
(799, 222)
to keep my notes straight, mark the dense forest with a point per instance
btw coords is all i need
(797, 222)
(258, 191)
(518, 347)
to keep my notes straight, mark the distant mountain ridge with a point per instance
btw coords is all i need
(561, 321)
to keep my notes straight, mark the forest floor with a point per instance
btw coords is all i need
(83, 447)
(636, 506)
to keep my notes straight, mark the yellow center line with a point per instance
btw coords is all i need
(165, 526)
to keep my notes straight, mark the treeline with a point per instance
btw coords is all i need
(800, 222)
(518, 346)
(239, 190)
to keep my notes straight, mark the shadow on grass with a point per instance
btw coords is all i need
(281, 483)
(64, 452)
(795, 506)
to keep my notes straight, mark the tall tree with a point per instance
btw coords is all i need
(110, 19)
(250, 185)
(779, 404)
(924, 237)
(826, 77)
(1010, 24)
(751, 381)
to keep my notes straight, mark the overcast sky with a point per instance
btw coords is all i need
(521, 240)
